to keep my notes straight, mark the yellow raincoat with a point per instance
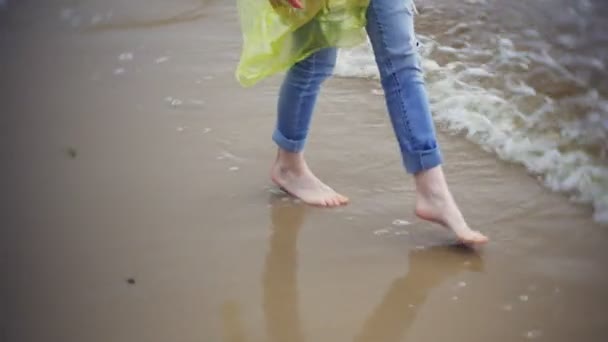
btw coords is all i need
(276, 36)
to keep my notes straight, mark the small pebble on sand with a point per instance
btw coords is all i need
(524, 298)
(75, 21)
(160, 60)
(401, 223)
(119, 71)
(234, 168)
(66, 13)
(125, 56)
(381, 232)
(532, 334)
(72, 153)
(96, 19)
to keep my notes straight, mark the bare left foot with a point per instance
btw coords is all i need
(435, 203)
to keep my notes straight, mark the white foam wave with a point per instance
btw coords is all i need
(564, 140)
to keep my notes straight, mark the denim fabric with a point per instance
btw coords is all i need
(390, 26)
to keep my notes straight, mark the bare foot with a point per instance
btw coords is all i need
(291, 173)
(435, 203)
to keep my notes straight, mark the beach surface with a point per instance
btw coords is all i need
(137, 204)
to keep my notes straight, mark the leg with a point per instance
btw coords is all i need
(296, 104)
(280, 278)
(390, 26)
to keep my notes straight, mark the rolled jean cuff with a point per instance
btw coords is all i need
(288, 145)
(417, 161)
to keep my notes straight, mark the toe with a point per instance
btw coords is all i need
(327, 202)
(480, 238)
(475, 238)
(334, 201)
(317, 202)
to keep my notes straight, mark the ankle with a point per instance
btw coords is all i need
(431, 182)
(290, 161)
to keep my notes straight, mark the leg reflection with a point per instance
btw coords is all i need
(232, 323)
(279, 278)
(428, 268)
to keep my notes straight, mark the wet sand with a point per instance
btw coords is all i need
(129, 216)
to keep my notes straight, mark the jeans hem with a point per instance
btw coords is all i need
(293, 146)
(418, 161)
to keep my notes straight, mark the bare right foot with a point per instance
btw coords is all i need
(292, 174)
(435, 203)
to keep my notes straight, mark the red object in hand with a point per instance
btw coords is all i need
(295, 3)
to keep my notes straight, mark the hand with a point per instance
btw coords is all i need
(295, 3)
(292, 3)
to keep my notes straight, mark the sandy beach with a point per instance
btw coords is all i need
(138, 205)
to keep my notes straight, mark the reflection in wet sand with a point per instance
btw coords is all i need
(428, 268)
(279, 278)
(232, 323)
(100, 187)
(396, 312)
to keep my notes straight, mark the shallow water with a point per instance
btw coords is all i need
(526, 80)
(129, 216)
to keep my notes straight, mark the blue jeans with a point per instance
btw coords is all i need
(390, 26)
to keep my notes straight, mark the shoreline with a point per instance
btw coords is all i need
(132, 217)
